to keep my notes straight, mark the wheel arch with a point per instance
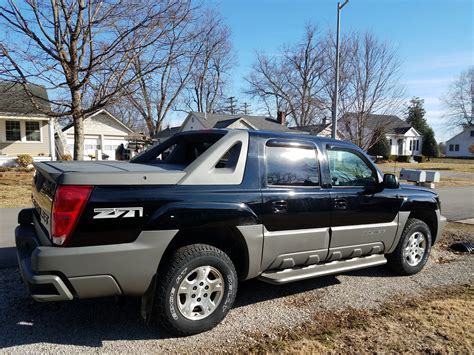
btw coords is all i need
(429, 217)
(228, 239)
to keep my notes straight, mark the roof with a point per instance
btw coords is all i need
(314, 129)
(392, 124)
(14, 99)
(221, 120)
(465, 128)
(167, 132)
(107, 113)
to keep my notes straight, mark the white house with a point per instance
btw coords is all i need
(24, 129)
(462, 144)
(403, 139)
(102, 131)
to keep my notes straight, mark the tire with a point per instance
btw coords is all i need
(183, 302)
(413, 249)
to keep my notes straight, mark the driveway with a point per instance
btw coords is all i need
(8, 223)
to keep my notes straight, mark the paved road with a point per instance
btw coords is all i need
(457, 203)
(8, 223)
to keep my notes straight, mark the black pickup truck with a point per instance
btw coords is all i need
(180, 224)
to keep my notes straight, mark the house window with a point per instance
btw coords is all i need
(456, 147)
(451, 147)
(32, 131)
(13, 131)
(472, 133)
(411, 145)
(417, 144)
(390, 141)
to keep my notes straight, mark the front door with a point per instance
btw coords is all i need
(296, 209)
(364, 217)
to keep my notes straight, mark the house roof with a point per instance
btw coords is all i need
(14, 99)
(220, 120)
(465, 128)
(392, 124)
(97, 113)
(167, 132)
(314, 129)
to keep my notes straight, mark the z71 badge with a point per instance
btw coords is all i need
(123, 212)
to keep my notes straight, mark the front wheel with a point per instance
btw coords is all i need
(196, 291)
(413, 249)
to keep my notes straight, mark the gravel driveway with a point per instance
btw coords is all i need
(103, 325)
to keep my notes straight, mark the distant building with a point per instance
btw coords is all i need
(24, 129)
(403, 139)
(201, 120)
(462, 144)
(102, 131)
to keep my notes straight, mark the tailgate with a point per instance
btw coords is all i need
(44, 186)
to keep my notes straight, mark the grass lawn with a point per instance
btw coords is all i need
(436, 164)
(438, 322)
(15, 189)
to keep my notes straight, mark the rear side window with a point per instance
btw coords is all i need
(291, 166)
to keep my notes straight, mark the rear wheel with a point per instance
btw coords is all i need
(196, 291)
(413, 249)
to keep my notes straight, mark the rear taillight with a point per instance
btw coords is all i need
(69, 201)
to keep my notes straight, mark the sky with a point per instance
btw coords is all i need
(433, 39)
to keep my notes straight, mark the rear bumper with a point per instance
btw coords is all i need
(45, 287)
(60, 273)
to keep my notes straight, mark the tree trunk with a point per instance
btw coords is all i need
(78, 121)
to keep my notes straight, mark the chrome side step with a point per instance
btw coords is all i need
(334, 267)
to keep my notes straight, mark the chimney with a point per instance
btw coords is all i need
(281, 118)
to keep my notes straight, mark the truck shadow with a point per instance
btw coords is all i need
(91, 322)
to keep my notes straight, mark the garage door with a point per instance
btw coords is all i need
(111, 144)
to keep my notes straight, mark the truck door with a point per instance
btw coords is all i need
(364, 217)
(296, 209)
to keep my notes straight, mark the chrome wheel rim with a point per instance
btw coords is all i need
(200, 292)
(415, 249)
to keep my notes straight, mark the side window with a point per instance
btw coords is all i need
(349, 169)
(230, 158)
(291, 166)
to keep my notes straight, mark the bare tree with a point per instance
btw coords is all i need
(292, 82)
(373, 87)
(301, 82)
(205, 90)
(181, 66)
(460, 99)
(76, 47)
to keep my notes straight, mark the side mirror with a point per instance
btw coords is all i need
(390, 181)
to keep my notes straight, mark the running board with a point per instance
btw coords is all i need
(334, 267)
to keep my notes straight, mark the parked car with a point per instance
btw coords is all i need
(223, 206)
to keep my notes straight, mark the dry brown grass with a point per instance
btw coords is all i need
(15, 189)
(440, 321)
(456, 232)
(457, 165)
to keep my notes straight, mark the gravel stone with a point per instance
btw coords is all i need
(104, 325)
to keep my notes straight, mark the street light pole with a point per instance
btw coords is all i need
(336, 86)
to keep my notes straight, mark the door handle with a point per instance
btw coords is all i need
(279, 206)
(340, 204)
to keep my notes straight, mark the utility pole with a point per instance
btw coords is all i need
(336, 85)
(232, 105)
(246, 108)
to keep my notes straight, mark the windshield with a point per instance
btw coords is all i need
(180, 150)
